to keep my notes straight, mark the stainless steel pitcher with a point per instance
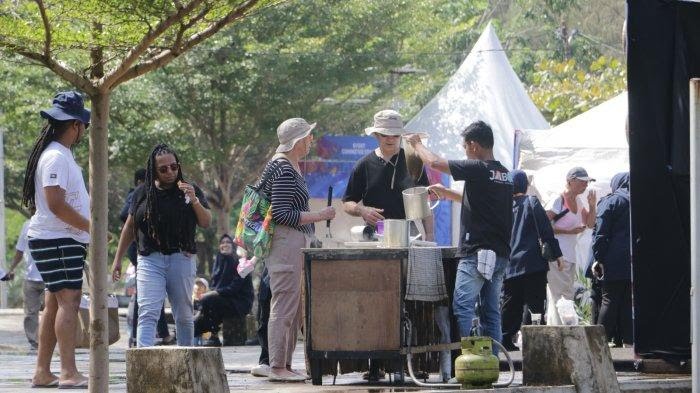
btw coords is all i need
(416, 203)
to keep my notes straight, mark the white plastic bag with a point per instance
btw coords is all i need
(246, 266)
(567, 312)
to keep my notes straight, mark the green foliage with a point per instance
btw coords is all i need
(533, 31)
(114, 28)
(563, 90)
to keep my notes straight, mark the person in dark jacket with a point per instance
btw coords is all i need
(525, 283)
(229, 295)
(611, 250)
(264, 298)
(596, 291)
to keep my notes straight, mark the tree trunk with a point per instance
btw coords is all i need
(99, 345)
(222, 213)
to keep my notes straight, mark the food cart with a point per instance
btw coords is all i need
(355, 310)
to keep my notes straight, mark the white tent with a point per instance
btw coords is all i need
(595, 140)
(485, 87)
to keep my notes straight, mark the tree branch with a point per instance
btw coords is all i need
(167, 56)
(59, 69)
(115, 76)
(47, 28)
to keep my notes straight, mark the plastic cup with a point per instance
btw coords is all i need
(380, 227)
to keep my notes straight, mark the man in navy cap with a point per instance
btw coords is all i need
(59, 233)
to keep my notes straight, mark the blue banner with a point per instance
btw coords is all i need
(321, 174)
(344, 147)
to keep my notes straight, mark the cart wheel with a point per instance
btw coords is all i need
(316, 371)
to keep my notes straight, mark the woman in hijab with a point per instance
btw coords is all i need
(230, 295)
(613, 266)
(525, 283)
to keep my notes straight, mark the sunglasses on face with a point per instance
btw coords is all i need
(387, 136)
(173, 167)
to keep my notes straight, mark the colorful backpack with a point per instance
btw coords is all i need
(255, 226)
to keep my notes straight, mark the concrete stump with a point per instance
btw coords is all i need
(175, 370)
(565, 355)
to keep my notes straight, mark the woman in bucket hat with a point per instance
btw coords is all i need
(294, 225)
(58, 234)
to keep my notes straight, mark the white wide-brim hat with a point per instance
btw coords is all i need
(386, 122)
(291, 131)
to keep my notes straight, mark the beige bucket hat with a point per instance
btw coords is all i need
(291, 131)
(387, 122)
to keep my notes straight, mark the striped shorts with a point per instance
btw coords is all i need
(60, 262)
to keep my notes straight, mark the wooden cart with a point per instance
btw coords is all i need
(355, 308)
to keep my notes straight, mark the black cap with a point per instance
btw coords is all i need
(578, 173)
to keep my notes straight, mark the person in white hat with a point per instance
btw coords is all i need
(283, 181)
(378, 179)
(374, 190)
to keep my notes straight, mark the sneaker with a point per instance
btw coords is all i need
(212, 342)
(286, 376)
(261, 370)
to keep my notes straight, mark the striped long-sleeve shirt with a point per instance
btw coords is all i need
(288, 193)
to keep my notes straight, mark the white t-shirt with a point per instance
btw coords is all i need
(57, 167)
(567, 242)
(32, 272)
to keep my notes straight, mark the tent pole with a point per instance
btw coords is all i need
(695, 229)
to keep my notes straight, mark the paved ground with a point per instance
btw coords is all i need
(17, 365)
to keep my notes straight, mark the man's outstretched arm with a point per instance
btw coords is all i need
(429, 158)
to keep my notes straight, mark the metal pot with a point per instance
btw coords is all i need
(416, 203)
(396, 233)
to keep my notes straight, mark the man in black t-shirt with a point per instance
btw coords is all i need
(485, 226)
(380, 177)
(378, 180)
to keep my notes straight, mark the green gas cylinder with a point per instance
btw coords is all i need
(477, 367)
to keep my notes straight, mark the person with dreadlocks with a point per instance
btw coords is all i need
(58, 234)
(163, 216)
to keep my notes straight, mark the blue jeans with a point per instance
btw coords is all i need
(470, 285)
(156, 276)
